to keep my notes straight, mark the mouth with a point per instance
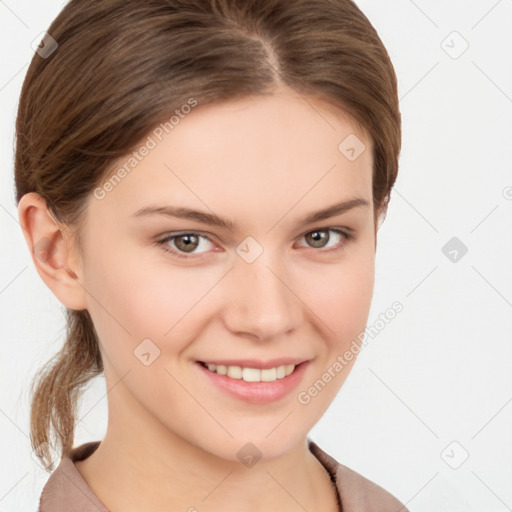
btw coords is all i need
(251, 374)
(255, 382)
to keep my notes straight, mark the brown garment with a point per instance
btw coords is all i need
(67, 491)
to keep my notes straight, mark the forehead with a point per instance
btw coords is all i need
(252, 153)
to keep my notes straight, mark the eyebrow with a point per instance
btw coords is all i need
(215, 220)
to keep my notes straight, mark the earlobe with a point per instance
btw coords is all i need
(51, 249)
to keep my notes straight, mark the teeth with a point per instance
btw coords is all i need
(221, 369)
(235, 372)
(252, 374)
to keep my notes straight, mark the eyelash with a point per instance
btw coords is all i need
(347, 237)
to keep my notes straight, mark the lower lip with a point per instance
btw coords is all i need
(257, 392)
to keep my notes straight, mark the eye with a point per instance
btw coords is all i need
(184, 243)
(320, 238)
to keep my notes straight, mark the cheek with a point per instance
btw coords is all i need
(135, 295)
(140, 297)
(122, 296)
(342, 296)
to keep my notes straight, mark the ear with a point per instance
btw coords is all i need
(55, 258)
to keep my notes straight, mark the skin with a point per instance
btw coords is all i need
(263, 163)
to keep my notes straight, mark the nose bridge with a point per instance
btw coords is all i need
(261, 304)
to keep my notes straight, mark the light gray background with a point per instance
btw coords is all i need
(441, 370)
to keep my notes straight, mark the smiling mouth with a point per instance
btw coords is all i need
(251, 374)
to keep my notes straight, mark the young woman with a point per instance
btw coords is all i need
(200, 183)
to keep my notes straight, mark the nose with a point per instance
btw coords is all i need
(261, 302)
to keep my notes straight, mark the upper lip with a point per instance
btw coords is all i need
(257, 363)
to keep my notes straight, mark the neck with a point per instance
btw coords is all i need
(142, 465)
(132, 472)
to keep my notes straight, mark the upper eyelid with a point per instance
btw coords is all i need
(207, 235)
(176, 234)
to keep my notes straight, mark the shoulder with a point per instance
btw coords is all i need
(66, 489)
(357, 493)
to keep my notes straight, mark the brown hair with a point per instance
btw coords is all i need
(124, 66)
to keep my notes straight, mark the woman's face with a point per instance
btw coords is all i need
(263, 285)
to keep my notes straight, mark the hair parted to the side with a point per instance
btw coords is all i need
(123, 67)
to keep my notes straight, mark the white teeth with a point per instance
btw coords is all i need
(289, 369)
(221, 369)
(281, 371)
(252, 374)
(235, 372)
(268, 374)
